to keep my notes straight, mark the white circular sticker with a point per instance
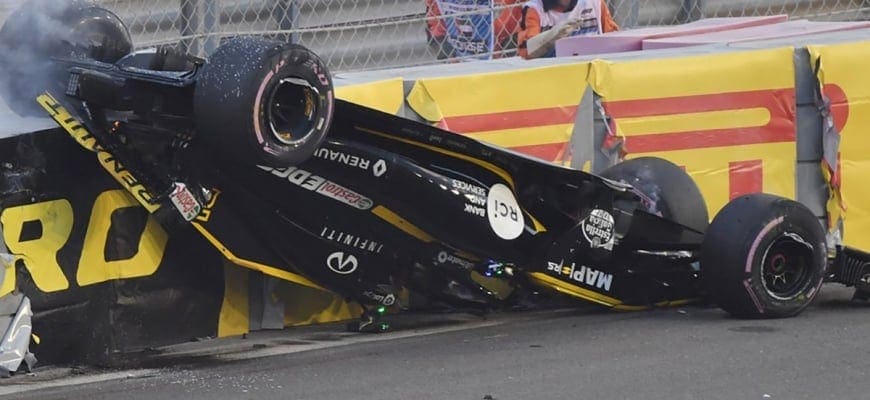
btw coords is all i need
(598, 229)
(504, 213)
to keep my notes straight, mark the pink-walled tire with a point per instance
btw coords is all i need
(263, 102)
(763, 256)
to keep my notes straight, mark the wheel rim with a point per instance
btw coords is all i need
(787, 267)
(292, 108)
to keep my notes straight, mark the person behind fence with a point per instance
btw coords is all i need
(544, 22)
(505, 21)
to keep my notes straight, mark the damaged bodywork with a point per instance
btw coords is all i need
(251, 151)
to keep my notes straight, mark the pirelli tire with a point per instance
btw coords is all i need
(763, 256)
(41, 29)
(264, 102)
(672, 192)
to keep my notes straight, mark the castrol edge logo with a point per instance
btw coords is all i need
(322, 186)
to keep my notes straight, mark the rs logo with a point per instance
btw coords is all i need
(342, 263)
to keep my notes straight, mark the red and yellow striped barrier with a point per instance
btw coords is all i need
(531, 111)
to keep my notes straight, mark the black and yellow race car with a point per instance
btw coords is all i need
(251, 149)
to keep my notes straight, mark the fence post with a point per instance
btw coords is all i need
(626, 13)
(199, 18)
(691, 10)
(211, 22)
(189, 25)
(285, 14)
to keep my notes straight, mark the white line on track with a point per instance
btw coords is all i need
(222, 353)
(77, 380)
(351, 339)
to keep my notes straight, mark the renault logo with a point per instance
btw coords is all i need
(341, 263)
(380, 168)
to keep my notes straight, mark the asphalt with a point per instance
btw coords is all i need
(681, 353)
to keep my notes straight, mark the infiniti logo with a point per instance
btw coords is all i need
(341, 263)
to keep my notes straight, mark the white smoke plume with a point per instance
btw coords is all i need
(22, 60)
(12, 124)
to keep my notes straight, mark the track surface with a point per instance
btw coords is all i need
(688, 353)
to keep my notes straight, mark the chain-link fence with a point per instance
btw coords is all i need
(372, 34)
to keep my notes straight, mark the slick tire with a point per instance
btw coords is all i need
(674, 193)
(265, 102)
(42, 29)
(763, 256)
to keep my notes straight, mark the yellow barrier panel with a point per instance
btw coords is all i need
(7, 277)
(387, 95)
(234, 318)
(305, 306)
(531, 111)
(847, 87)
(729, 119)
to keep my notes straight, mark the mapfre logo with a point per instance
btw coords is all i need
(585, 275)
(342, 263)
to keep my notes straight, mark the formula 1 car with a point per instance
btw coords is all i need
(251, 149)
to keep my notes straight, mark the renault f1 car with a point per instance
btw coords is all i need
(251, 149)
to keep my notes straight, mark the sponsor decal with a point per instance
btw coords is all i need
(320, 185)
(377, 168)
(386, 300)
(380, 168)
(212, 197)
(468, 187)
(107, 160)
(185, 202)
(475, 197)
(43, 257)
(342, 263)
(475, 210)
(598, 229)
(503, 212)
(446, 258)
(351, 240)
(583, 275)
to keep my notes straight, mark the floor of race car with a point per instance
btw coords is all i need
(679, 353)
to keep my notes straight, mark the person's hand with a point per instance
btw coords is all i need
(542, 43)
(568, 27)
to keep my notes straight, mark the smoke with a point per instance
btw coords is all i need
(12, 124)
(32, 32)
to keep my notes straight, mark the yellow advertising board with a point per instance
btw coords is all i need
(531, 110)
(387, 95)
(846, 86)
(729, 119)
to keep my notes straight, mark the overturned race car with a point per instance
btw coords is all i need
(251, 149)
